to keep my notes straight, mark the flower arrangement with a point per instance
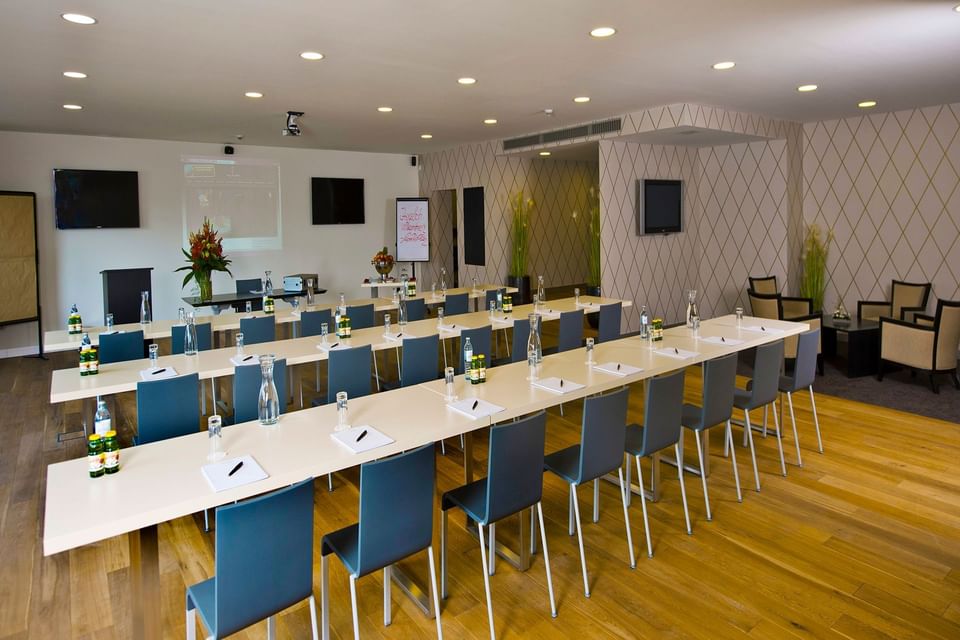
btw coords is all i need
(521, 223)
(205, 257)
(593, 237)
(813, 278)
(383, 262)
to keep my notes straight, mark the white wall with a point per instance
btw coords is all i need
(71, 260)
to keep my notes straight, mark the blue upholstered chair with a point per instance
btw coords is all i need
(167, 408)
(416, 309)
(310, 322)
(456, 303)
(571, 330)
(514, 483)
(120, 347)
(521, 334)
(204, 337)
(249, 285)
(719, 381)
(361, 316)
(609, 322)
(259, 329)
(349, 370)
(762, 390)
(263, 564)
(396, 521)
(661, 428)
(491, 296)
(246, 389)
(419, 360)
(600, 452)
(804, 373)
(480, 340)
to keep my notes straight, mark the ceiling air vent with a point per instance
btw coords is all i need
(581, 131)
(566, 134)
(525, 141)
(605, 126)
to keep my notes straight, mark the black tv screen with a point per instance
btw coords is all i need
(337, 200)
(87, 199)
(662, 206)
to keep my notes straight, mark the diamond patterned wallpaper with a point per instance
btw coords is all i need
(559, 187)
(887, 184)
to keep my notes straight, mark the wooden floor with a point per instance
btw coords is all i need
(862, 542)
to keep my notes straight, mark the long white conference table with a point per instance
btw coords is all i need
(60, 340)
(162, 481)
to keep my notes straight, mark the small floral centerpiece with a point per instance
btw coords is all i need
(205, 257)
(383, 263)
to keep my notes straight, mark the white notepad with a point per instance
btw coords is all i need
(394, 336)
(157, 374)
(617, 368)
(242, 361)
(759, 328)
(679, 354)
(295, 313)
(503, 321)
(332, 346)
(217, 473)
(449, 327)
(730, 342)
(588, 305)
(373, 439)
(111, 332)
(557, 385)
(549, 314)
(483, 409)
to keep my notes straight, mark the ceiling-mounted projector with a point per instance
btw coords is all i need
(293, 129)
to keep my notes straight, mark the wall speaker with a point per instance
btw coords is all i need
(228, 150)
(413, 161)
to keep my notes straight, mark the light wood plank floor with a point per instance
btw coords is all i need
(862, 542)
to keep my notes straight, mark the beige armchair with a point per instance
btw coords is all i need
(906, 299)
(928, 345)
(766, 284)
(777, 307)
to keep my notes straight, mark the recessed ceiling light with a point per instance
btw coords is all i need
(79, 75)
(582, 99)
(723, 66)
(866, 104)
(603, 32)
(490, 121)
(467, 80)
(805, 88)
(78, 18)
(957, 8)
(253, 94)
(426, 136)
(311, 55)
(72, 107)
(544, 154)
(384, 109)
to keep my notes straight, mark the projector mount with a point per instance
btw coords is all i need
(293, 129)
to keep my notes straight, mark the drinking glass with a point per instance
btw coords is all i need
(576, 297)
(249, 306)
(493, 308)
(739, 312)
(433, 291)
(695, 321)
(108, 320)
(386, 324)
(342, 422)
(448, 376)
(439, 316)
(154, 348)
(239, 343)
(295, 303)
(215, 435)
(590, 343)
(324, 329)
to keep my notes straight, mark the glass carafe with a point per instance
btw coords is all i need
(267, 283)
(541, 293)
(310, 294)
(268, 404)
(533, 341)
(190, 335)
(402, 308)
(146, 316)
(644, 323)
(692, 311)
(443, 281)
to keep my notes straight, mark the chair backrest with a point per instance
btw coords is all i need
(246, 389)
(662, 409)
(603, 434)
(455, 304)
(416, 309)
(361, 316)
(491, 296)
(805, 367)
(168, 408)
(480, 339)
(764, 305)
(947, 336)
(259, 329)
(908, 295)
(765, 383)
(249, 285)
(396, 508)
(521, 334)
(815, 321)
(765, 284)
(264, 560)
(515, 466)
(120, 347)
(349, 370)
(719, 381)
(310, 322)
(419, 361)
(571, 330)
(204, 337)
(610, 315)
(793, 307)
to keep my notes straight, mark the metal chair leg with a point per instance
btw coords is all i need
(443, 554)
(753, 451)
(387, 617)
(433, 590)
(816, 420)
(683, 487)
(486, 578)
(330, 482)
(643, 505)
(313, 617)
(192, 624)
(492, 569)
(272, 627)
(546, 558)
(793, 421)
(353, 606)
(325, 597)
(776, 423)
(728, 438)
(570, 528)
(626, 518)
(583, 559)
(596, 500)
(703, 476)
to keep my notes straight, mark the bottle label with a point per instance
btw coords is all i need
(95, 462)
(111, 461)
(100, 427)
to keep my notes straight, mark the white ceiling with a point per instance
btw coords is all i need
(177, 69)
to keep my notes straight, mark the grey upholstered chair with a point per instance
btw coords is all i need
(762, 390)
(804, 372)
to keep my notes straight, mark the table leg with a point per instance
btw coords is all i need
(468, 457)
(145, 582)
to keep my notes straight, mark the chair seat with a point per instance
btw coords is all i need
(634, 441)
(471, 498)
(788, 384)
(345, 543)
(692, 417)
(202, 594)
(743, 399)
(565, 463)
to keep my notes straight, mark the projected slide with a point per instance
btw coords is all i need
(240, 196)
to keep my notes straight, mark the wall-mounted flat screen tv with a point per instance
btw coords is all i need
(88, 199)
(659, 206)
(337, 200)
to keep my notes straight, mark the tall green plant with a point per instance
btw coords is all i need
(521, 227)
(813, 281)
(593, 237)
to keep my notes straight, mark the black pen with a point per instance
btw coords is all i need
(722, 339)
(761, 328)
(158, 371)
(676, 350)
(247, 358)
(362, 435)
(235, 469)
(618, 366)
(561, 382)
(334, 345)
(475, 403)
